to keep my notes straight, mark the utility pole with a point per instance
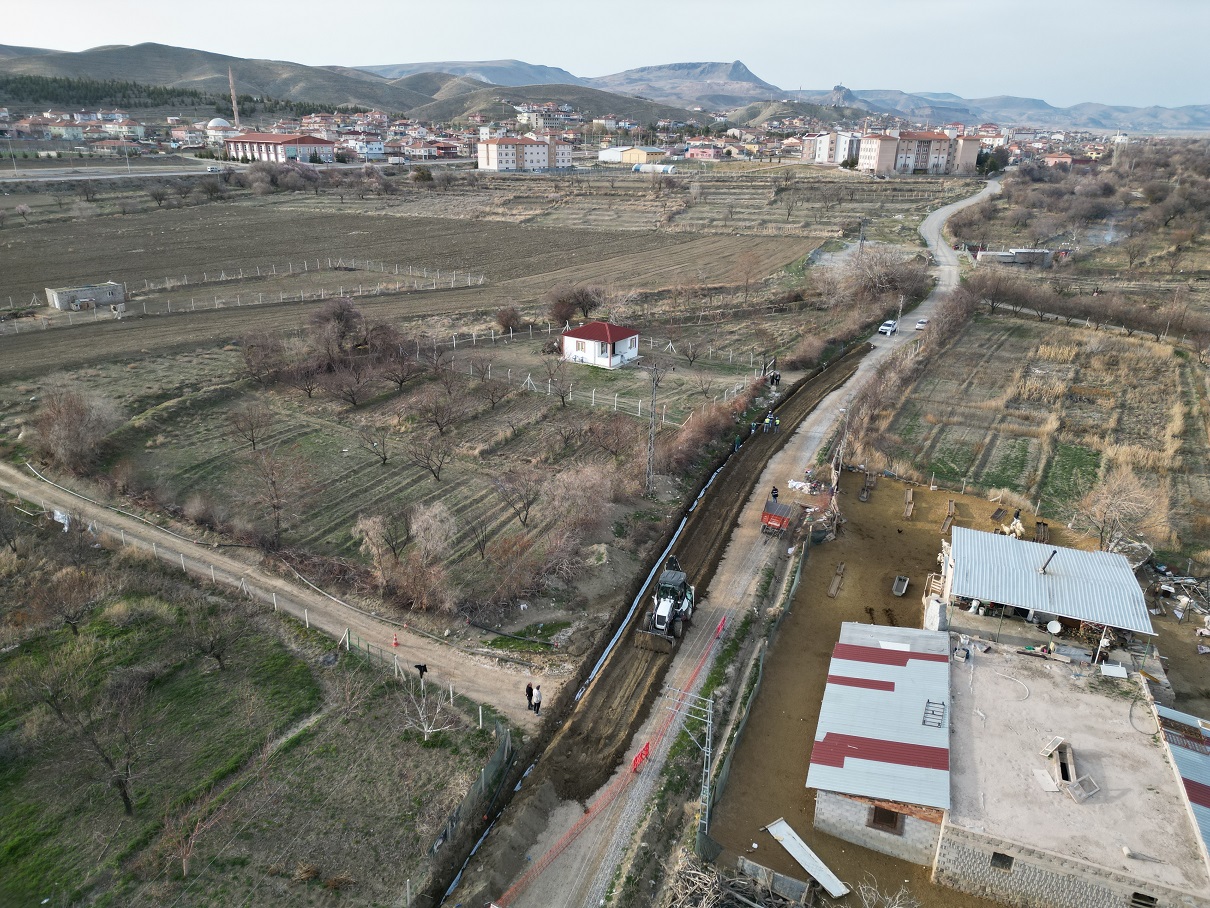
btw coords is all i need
(701, 709)
(657, 371)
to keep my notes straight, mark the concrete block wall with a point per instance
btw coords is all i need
(847, 819)
(1041, 879)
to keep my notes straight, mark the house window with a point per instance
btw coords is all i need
(604, 348)
(886, 820)
(1002, 862)
(580, 346)
(1138, 900)
(634, 342)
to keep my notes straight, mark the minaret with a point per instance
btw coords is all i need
(234, 103)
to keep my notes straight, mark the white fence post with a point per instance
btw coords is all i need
(307, 619)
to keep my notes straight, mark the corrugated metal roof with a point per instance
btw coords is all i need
(1085, 586)
(872, 739)
(1189, 742)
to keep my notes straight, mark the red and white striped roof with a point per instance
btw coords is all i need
(878, 735)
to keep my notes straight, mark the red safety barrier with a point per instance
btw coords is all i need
(641, 757)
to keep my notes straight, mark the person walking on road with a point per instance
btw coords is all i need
(775, 493)
(529, 696)
(538, 699)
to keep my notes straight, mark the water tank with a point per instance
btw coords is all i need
(654, 168)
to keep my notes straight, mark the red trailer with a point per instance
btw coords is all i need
(775, 519)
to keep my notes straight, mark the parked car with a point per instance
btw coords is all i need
(889, 327)
(213, 169)
(921, 324)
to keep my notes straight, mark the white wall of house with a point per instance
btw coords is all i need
(600, 353)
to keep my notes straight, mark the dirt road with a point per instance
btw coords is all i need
(481, 678)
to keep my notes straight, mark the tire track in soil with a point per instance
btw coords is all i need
(584, 753)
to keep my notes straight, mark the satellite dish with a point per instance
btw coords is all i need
(1054, 627)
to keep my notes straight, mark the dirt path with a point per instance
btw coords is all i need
(481, 678)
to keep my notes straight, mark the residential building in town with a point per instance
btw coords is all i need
(601, 344)
(266, 146)
(527, 155)
(917, 152)
(643, 154)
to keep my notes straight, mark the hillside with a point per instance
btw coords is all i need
(440, 86)
(179, 67)
(493, 72)
(588, 101)
(755, 114)
(692, 84)
(8, 51)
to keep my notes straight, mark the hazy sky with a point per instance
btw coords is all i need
(1132, 52)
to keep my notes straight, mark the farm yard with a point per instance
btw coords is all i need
(1043, 411)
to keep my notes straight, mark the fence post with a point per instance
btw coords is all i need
(451, 693)
(212, 580)
(154, 551)
(615, 401)
(183, 561)
(123, 532)
(275, 602)
(307, 619)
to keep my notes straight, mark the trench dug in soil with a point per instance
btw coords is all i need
(585, 751)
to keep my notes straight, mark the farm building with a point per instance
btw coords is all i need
(880, 760)
(89, 296)
(643, 154)
(613, 155)
(1062, 795)
(601, 344)
(268, 146)
(1042, 258)
(1013, 578)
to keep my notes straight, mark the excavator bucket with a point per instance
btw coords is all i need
(656, 643)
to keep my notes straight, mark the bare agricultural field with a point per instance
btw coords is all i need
(1044, 410)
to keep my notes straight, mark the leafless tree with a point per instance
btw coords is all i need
(183, 189)
(262, 355)
(424, 710)
(278, 481)
(211, 630)
(304, 376)
(24, 211)
(158, 195)
(401, 367)
(748, 265)
(1119, 509)
(690, 351)
(10, 527)
(436, 358)
(109, 722)
(377, 440)
(212, 189)
(344, 320)
(433, 527)
(480, 536)
(86, 190)
(557, 380)
(182, 831)
(437, 408)
(252, 422)
(509, 318)
(616, 434)
(70, 596)
(350, 382)
(705, 385)
(72, 425)
(432, 453)
(520, 490)
(493, 391)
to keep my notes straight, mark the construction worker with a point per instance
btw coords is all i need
(775, 493)
(776, 424)
(768, 422)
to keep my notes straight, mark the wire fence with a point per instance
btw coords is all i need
(307, 266)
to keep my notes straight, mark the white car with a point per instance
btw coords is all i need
(922, 324)
(889, 327)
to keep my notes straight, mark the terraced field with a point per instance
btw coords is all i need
(1043, 410)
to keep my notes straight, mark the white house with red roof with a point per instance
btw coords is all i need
(601, 344)
(880, 760)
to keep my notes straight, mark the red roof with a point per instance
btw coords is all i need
(274, 138)
(933, 136)
(602, 332)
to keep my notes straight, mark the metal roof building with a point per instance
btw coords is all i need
(1098, 587)
(884, 726)
(1188, 739)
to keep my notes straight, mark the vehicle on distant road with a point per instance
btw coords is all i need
(213, 169)
(921, 324)
(889, 327)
